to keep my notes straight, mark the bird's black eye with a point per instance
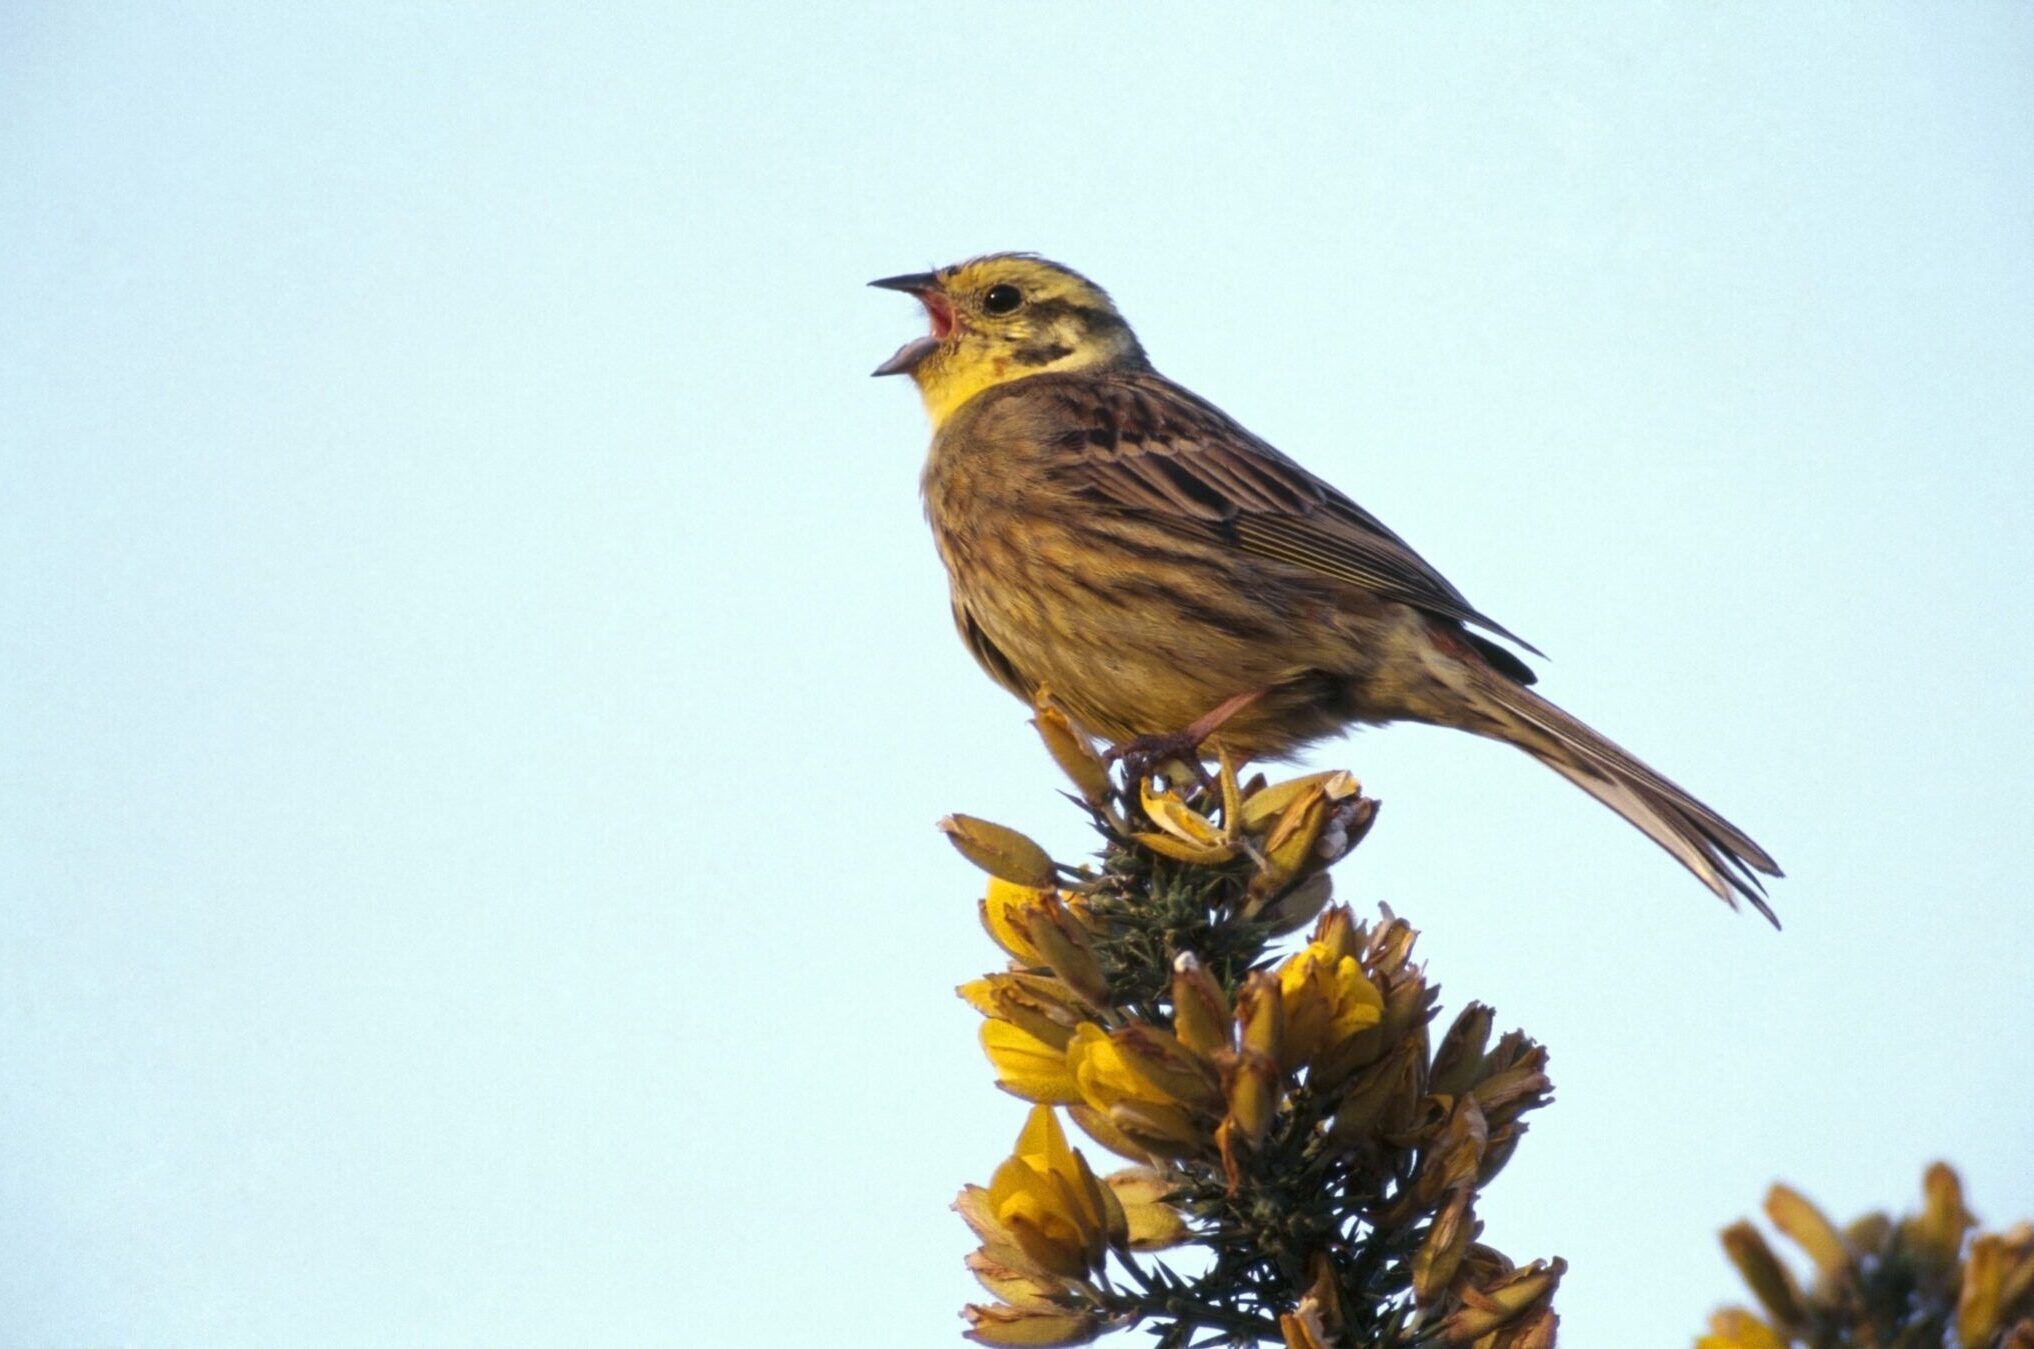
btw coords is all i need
(1001, 300)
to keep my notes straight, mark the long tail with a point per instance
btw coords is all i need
(1717, 851)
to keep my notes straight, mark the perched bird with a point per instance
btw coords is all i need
(1123, 543)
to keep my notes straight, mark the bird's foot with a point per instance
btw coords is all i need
(1144, 756)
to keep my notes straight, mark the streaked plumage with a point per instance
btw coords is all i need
(1118, 540)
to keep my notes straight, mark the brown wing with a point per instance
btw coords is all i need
(1139, 442)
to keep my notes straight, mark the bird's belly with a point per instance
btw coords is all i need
(1131, 644)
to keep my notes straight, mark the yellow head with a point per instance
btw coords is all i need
(1003, 317)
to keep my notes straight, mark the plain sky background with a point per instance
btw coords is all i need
(476, 685)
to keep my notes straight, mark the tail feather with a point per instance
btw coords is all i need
(1720, 854)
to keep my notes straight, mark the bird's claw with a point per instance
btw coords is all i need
(1144, 755)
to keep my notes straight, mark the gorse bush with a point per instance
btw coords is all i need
(1305, 1159)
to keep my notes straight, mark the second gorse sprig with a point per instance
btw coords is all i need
(1928, 1280)
(1289, 1115)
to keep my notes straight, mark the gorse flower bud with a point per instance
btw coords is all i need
(1200, 1009)
(998, 850)
(1074, 755)
(1763, 1273)
(1254, 1077)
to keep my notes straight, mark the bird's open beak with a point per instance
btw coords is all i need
(924, 285)
(911, 283)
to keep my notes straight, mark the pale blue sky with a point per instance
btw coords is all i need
(476, 687)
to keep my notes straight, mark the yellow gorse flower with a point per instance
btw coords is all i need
(1150, 1090)
(1044, 1213)
(1327, 1001)
(1041, 930)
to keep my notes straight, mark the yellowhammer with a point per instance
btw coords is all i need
(1122, 543)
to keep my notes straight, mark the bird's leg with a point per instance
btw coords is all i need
(1140, 755)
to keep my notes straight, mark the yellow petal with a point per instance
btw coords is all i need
(1018, 1287)
(978, 1211)
(1232, 792)
(1042, 1146)
(1357, 1003)
(1037, 1212)
(1098, 1126)
(1303, 995)
(1037, 1329)
(1172, 1070)
(1002, 908)
(1198, 854)
(1104, 1077)
(1735, 1328)
(1176, 817)
(1161, 1130)
(1042, 1007)
(1153, 1224)
(1140, 1110)
(1262, 808)
(1027, 1066)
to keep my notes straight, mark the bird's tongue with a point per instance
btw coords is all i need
(908, 356)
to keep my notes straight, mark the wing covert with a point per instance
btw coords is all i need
(1139, 442)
